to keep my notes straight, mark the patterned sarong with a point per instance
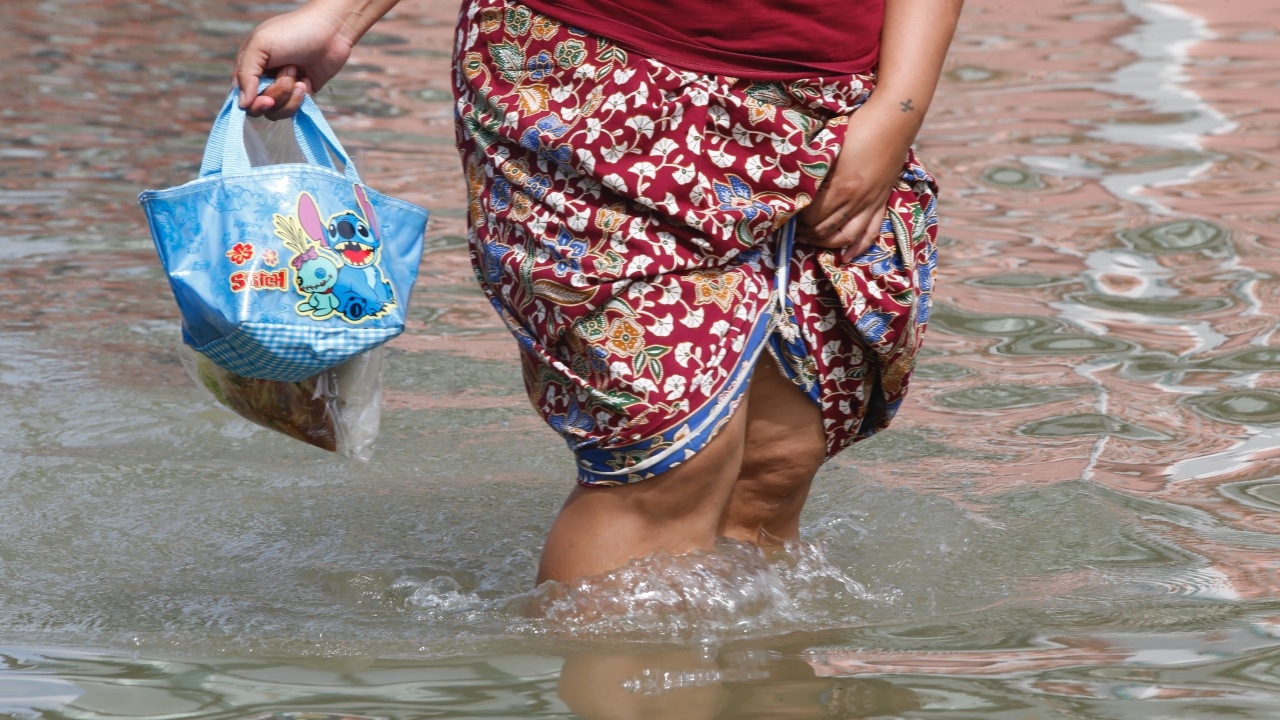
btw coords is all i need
(627, 219)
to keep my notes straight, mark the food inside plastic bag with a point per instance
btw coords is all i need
(338, 409)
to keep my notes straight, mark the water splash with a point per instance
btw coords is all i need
(734, 589)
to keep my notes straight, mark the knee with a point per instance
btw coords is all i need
(763, 493)
(780, 471)
(771, 492)
(674, 496)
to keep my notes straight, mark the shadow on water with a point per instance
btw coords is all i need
(1074, 517)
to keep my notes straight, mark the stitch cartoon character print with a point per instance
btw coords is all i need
(335, 263)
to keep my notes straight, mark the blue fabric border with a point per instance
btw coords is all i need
(601, 466)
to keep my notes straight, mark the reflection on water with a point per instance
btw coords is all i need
(1075, 516)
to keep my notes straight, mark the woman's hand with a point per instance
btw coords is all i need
(305, 48)
(849, 209)
(850, 206)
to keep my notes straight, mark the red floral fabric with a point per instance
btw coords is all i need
(627, 220)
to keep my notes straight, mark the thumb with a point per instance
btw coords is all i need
(250, 65)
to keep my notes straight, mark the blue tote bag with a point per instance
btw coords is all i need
(284, 271)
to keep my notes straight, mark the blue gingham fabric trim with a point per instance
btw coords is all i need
(289, 353)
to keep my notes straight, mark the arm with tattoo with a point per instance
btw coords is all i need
(850, 207)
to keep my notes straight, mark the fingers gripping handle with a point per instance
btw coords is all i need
(225, 152)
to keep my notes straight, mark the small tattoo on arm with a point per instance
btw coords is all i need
(907, 106)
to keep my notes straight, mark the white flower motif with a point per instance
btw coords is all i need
(664, 147)
(593, 129)
(742, 136)
(670, 294)
(620, 369)
(686, 352)
(701, 243)
(830, 350)
(787, 180)
(554, 200)
(641, 95)
(808, 283)
(586, 160)
(666, 241)
(855, 355)
(641, 124)
(645, 170)
(675, 386)
(614, 182)
(621, 75)
(782, 144)
(719, 116)
(694, 319)
(693, 140)
(698, 96)
(696, 195)
(721, 158)
(562, 92)
(644, 385)
(860, 303)
(738, 342)
(683, 174)
(663, 326)
(589, 186)
(637, 289)
(670, 205)
(614, 153)
(705, 382)
(578, 220)
(720, 328)
(755, 167)
(677, 115)
(638, 264)
(616, 102)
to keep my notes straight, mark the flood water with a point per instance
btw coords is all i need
(1075, 515)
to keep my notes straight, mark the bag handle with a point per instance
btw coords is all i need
(225, 152)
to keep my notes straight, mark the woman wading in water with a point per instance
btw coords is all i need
(702, 222)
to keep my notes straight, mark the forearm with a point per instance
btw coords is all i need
(352, 18)
(913, 45)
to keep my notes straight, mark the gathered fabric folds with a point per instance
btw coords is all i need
(631, 223)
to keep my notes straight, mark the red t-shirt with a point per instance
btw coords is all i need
(753, 39)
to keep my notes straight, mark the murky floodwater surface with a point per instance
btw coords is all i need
(1074, 517)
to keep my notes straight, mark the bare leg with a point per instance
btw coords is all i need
(749, 483)
(600, 528)
(785, 446)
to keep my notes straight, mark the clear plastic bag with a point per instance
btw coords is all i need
(338, 410)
